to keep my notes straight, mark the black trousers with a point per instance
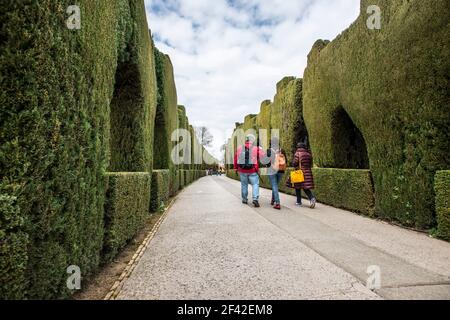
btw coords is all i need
(308, 192)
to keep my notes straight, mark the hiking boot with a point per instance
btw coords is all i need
(313, 203)
(245, 201)
(272, 202)
(256, 203)
(277, 206)
(298, 204)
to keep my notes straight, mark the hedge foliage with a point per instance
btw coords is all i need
(160, 189)
(442, 190)
(166, 114)
(55, 142)
(13, 249)
(346, 188)
(126, 209)
(163, 185)
(342, 188)
(134, 102)
(392, 85)
(287, 114)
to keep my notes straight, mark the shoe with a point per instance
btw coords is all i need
(313, 203)
(277, 206)
(256, 203)
(298, 204)
(245, 201)
(272, 202)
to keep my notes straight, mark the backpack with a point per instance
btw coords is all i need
(244, 160)
(280, 162)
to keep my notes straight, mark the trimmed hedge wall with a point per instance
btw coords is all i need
(174, 182)
(126, 209)
(393, 85)
(341, 188)
(346, 188)
(287, 114)
(160, 189)
(55, 145)
(13, 249)
(166, 114)
(442, 190)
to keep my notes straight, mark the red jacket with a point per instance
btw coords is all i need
(256, 153)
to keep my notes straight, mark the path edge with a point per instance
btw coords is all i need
(118, 285)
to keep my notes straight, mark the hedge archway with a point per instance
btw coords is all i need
(349, 146)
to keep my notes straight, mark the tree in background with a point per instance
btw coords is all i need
(223, 150)
(204, 136)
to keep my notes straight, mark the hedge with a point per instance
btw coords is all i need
(287, 114)
(174, 182)
(55, 139)
(126, 209)
(166, 113)
(182, 179)
(347, 189)
(160, 189)
(391, 85)
(442, 190)
(13, 249)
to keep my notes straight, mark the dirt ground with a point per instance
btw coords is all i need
(96, 287)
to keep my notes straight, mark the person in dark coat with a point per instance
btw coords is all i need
(303, 156)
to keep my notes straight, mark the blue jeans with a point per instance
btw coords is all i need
(246, 179)
(275, 181)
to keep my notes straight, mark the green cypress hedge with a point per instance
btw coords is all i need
(126, 209)
(392, 85)
(181, 174)
(160, 189)
(174, 182)
(285, 114)
(55, 141)
(346, 188)
(13, 249)
(442, 190)
(166, 114)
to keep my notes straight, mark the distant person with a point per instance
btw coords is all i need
(276, 170)
(304, 160)
(246, 163)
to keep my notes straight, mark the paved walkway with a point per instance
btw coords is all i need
(212, 247)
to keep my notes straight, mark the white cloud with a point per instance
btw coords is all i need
(228, 55)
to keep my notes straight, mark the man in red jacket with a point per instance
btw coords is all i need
(246, 163)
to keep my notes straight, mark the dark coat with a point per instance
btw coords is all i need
(306, 159)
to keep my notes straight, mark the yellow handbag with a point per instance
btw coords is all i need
(297, 176)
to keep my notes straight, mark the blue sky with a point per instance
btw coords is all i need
(228, 55)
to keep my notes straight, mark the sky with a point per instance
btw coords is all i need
(228, 55)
